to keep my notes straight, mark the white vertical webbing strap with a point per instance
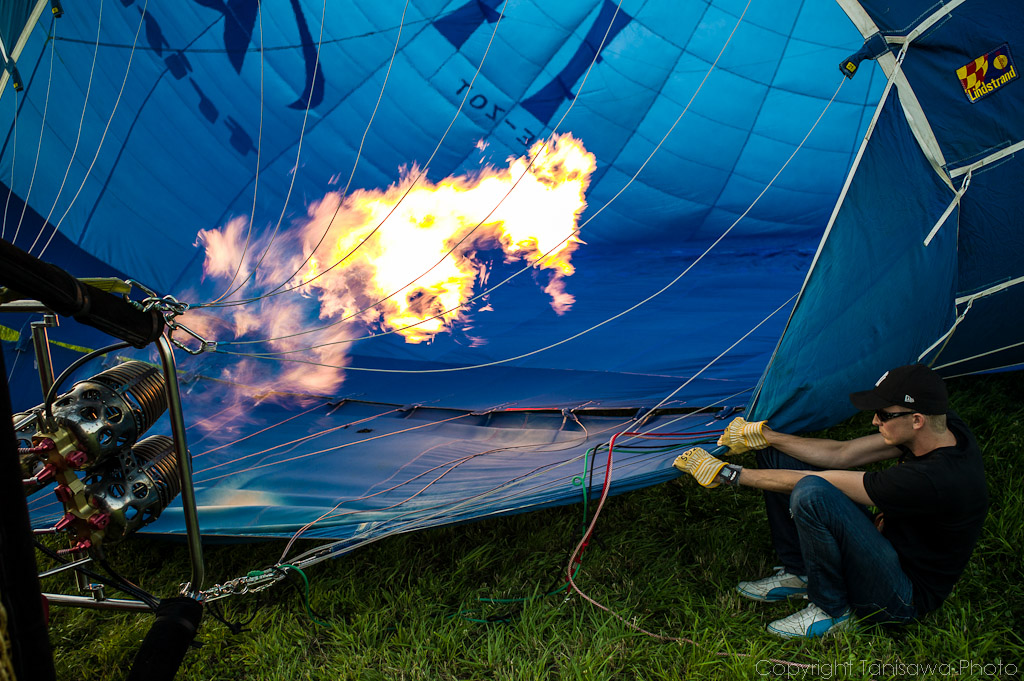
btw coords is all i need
(949, 210)
(861, 19)
(916, 119)
(949, 333)
(33, 19)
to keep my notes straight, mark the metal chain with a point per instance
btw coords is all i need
(167, 304)
(254, 582)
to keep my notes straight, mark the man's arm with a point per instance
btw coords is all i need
(850, 483)
(710, 471)
(832, 454)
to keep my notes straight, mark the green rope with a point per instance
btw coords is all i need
(577, 481)
(305, 600)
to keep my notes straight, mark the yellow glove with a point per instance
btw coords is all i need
(702, 466)
(742, 436)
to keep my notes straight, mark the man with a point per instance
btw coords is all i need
(893, 567)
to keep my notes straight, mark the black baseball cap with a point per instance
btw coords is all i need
(914, 386)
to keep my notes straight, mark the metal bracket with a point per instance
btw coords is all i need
(204, 345)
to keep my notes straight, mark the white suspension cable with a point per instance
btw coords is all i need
(453, 464)
(260, 432)
(1004, 367)
(1002, 286)
(330, 449)
(298, 155)
(14, 158)
(106, 129)
(948, 333)
(259, 155)
(78, 136)
(42, 133)
(409, 189)
(545, 255)
(983, 354)
(443, 511)
(448, 510)
(355, 163)
(598, 325)
(726, 351)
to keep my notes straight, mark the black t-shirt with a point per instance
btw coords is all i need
(934, 508)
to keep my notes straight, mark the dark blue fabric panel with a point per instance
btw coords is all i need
(877, 297)
(457, 26)
(991, 227)
(989, 338)
(991, 239)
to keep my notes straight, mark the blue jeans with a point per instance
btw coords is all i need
(847, 561)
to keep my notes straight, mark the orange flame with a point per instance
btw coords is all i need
(403, 258)
(526, 209)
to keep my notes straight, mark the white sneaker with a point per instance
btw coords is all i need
(777, 587)
(810, 622)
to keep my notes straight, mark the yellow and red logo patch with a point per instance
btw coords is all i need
(987, 73)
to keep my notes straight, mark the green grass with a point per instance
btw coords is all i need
(667, 558)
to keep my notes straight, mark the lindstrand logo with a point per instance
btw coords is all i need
(987, 73)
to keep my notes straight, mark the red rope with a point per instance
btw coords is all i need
(577, 558)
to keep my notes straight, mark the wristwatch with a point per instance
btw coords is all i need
(730, 474)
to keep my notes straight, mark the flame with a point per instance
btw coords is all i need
(224, 249)
(419, 252)
(404, 259)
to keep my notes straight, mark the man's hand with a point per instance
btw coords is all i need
(702, 466)
(742, 436)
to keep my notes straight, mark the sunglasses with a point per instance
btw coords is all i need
(884, 415)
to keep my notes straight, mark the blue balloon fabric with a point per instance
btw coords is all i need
(648, 208)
